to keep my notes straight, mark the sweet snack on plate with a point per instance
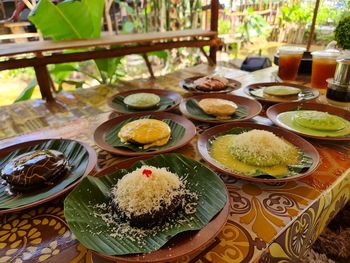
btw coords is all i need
(147, 196)
(220, 108)
(146, 132)
(142, 101)
(281, 91)
(318, 120)
(256, 152)
(35, 169)
(211, 83)
(315, 123)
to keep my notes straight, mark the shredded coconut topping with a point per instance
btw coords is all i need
(146, 189)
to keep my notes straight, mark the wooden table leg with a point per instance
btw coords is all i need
(43, 78)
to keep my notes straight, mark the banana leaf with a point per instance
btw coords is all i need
(119, 105)
(78, 159)
(304, 164)
(177, 132)
(194, 109)
(70, 19)
(82, 211)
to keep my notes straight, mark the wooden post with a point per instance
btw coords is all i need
(214, 26)
(44, 82)
(313, 25)
(148, 64)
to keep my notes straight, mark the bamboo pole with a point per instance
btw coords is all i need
(313, 24)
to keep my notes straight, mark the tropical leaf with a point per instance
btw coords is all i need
(194, 109)
(70, 19)
(78, 159)
(81, 211)
(177, 132)
(119, 104)
(27, 92)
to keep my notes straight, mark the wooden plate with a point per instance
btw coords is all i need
(305, 94)
(252, 106)
(305, 146)
(100, 132)
(121, 108)
(188, 85)
(273, 112)
(89, 168)
(181, 245)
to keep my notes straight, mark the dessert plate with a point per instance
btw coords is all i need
(257, 92)
(310, 155)
(106, 135)
(166, 243)
(188, 85)
(168, 101)
(281, 115)
(247, 108)
(81, 158)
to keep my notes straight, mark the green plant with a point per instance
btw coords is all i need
(224, 26)
(342, 32)
(253, 25)
(295, 13)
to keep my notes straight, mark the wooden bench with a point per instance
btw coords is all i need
(39, 54)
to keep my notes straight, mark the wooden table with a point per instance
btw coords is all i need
(268, 222)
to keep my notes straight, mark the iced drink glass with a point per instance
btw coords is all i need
(323, 67)
(289, 61)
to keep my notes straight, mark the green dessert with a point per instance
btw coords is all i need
(319, 120)
(315, 123)
(281, 91)
(142, 101)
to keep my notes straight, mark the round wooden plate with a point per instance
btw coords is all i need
(100, 132)
(188, 85)
(273, 112)
(122, 108)
(305, 146)
(305, 94)
(90, 167)
(252, 106)
(181, 245)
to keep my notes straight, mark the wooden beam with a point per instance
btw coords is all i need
(148, 64)
(214, 27)
(44, 82)
(95, 54)
(313, 25)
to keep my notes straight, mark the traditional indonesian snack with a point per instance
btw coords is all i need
(222, 109)
(142, 101)
(211, 83)
(263, 148)
(147, 196)
(255, 152)
(35, 169)
(281, 91)
(318, 120)
(146, 132)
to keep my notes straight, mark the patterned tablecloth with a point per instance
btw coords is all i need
(267, 222)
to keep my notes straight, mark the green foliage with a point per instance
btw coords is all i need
(296, 13)
(342, 32)
(253, 25)
(27, 92)
(224, 26)
(70, 19)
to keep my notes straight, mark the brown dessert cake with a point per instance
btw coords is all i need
(35, 169)
(211, 83)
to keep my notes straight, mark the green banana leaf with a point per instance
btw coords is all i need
(194, 109)
(119, 104)
(304, 164)
(81, 211)
(70, 19)
(78, 159)
(177, 132)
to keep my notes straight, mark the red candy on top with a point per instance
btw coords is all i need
(147, 172)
